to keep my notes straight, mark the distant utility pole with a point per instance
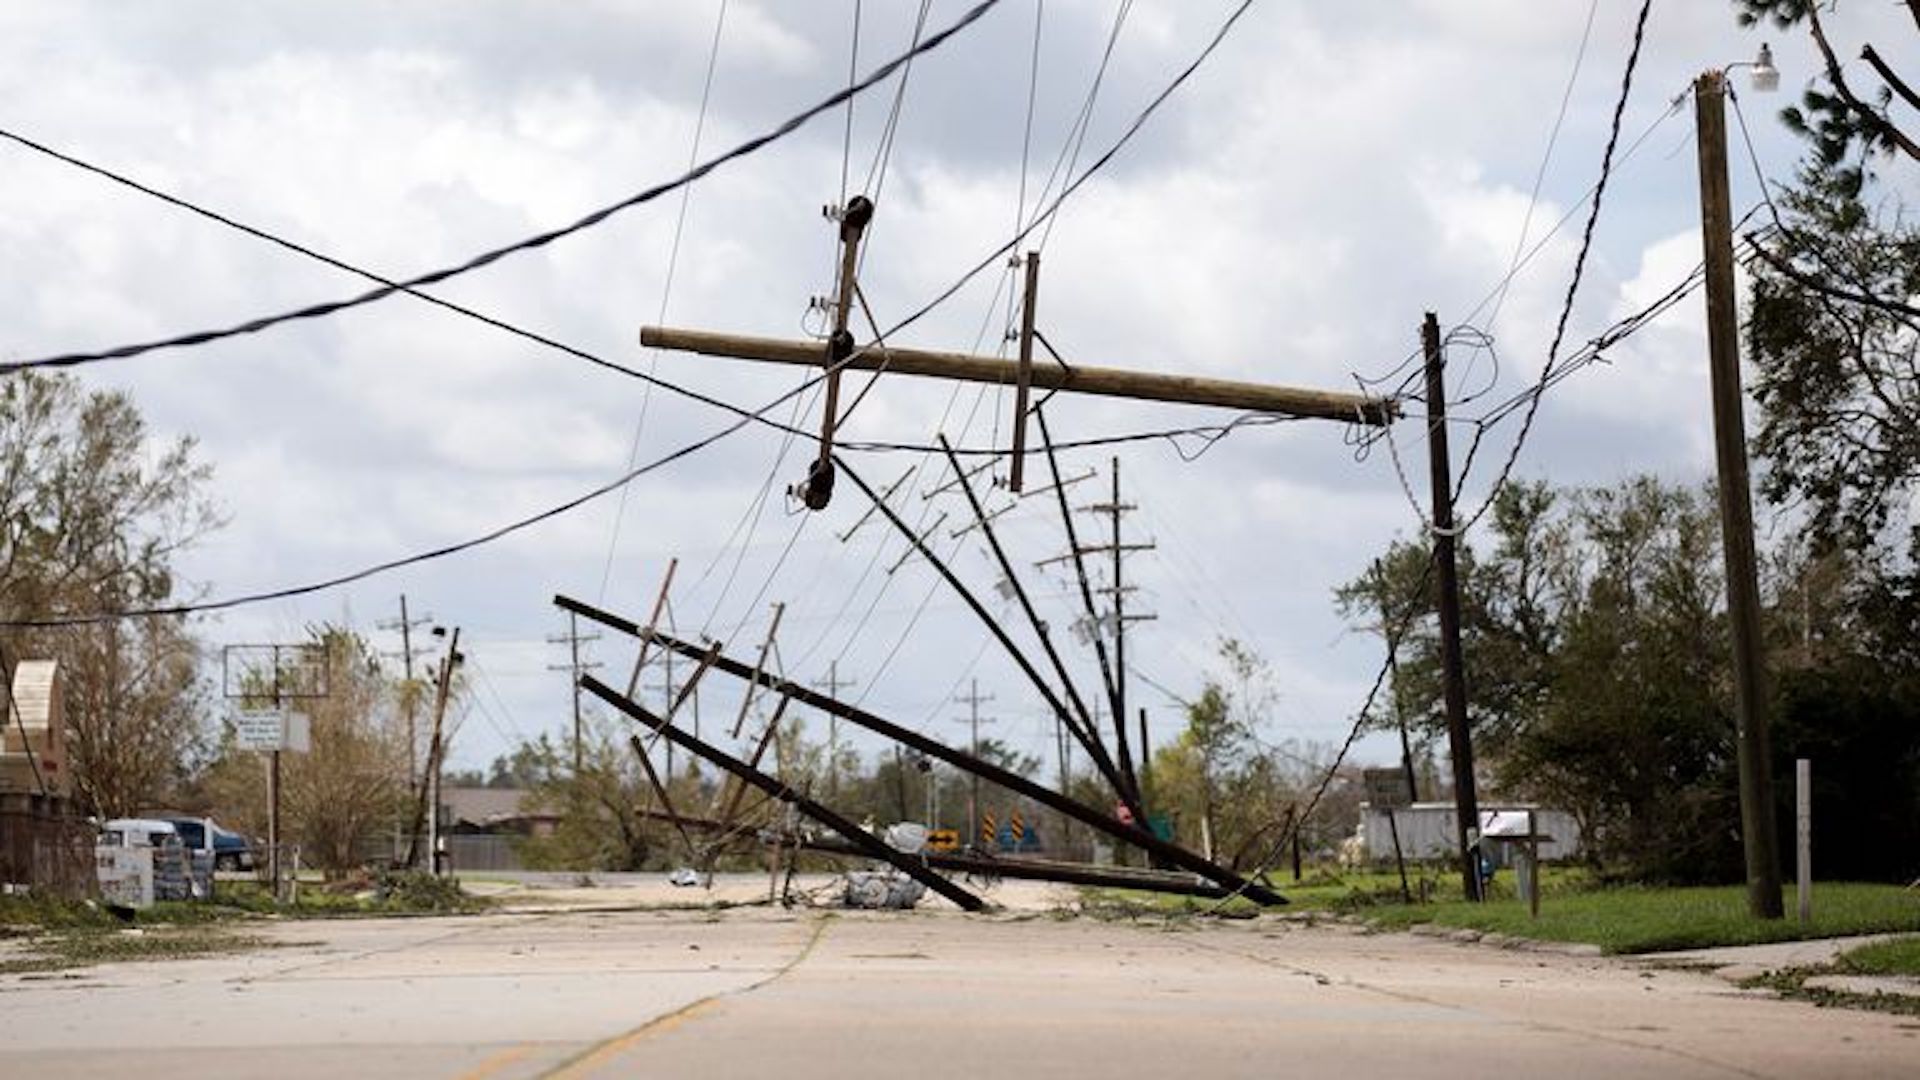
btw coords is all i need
(1757, 830)
(973, 699)
(429, 797)
(408, 699)
(1446, 572)
(832, 684)
(572, 639)
(1115, 511)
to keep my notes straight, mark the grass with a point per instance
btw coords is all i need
(1901, 956)
(74, 947)
(1574, 908)
(1644, 919)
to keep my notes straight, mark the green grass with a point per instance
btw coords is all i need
(1901, 956)
(1643, 919)
(1574, 908)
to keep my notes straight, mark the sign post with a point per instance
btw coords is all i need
(261, 679)
(1387, 790)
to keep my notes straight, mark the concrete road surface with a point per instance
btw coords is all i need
(782, 995)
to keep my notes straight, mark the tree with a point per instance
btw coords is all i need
(340, 798)
(601, 808)
(1594, 661)
(1220, 784)
(93, 511)
(1833, 328)
(1838, 382)
(1839, 120)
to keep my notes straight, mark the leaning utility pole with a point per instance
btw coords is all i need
(573, 667)
(408, 703)
(430, 787)
(1757, 830)
(973, 699)
(1466, 805)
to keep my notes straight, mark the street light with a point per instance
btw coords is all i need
(1765, 77)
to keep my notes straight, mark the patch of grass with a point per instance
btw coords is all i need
(1792, 983)
(1644, 919)
(83, 947)
(1131, 904)
(1901, 956)
(26, 914)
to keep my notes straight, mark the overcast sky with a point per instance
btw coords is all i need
(1331, 173)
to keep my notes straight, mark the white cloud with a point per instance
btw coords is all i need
(1333, 173)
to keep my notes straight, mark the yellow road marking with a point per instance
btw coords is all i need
(600, 1053)
(498, 1062)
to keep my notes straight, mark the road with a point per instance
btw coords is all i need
(770, 993)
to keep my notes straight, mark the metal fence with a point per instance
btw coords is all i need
(482, 852)
(44, 848)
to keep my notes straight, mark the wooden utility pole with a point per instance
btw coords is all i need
(832, 684)
(573, 667)
(430, 786)
(1757, 830)
(1466, 805)
(1023, 379)
(1108, 382)
(817, 491)
(973, 699)
(408, 698)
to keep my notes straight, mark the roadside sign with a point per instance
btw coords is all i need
(261, 730)
(943, 839)
(272, 729)
(1386, 788)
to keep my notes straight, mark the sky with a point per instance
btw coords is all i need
(1327, 176)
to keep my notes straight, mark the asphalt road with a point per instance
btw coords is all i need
(769, 993)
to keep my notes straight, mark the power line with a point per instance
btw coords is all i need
(409, 560)
(411, 286)
(1573, 284)
(743, 416)
(666, 287)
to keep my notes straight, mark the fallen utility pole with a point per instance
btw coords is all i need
(1021, 868)
(1013, 782)
(1106, 382)
(1127, 794)
(1087, 735)
(865, 841)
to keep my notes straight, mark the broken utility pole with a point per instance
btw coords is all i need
(862, 840)
(817, 490)
(1080, 379)
(1170, 854)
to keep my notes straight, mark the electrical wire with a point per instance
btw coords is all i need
(743, 417)
(666, 288)
(488, 537)
(1084, 122)
(1579, 272)
(412, 285)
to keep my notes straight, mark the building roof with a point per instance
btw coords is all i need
(487, 806)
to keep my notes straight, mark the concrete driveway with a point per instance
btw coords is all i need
(771, 993)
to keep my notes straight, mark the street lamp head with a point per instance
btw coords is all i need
(1766, 77)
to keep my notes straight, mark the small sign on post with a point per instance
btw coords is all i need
(1387, 790)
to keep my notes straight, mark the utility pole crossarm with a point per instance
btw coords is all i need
(1107, 382)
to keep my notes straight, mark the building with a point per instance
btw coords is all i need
(1427, 831)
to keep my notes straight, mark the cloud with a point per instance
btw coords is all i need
(1333, 173)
